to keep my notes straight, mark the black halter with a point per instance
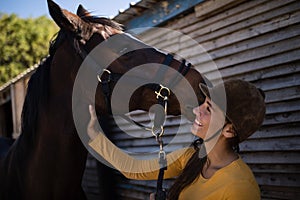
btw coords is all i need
(160, 90)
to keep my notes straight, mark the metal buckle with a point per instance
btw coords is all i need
(100, 75)
(158, 94)
(156, 132)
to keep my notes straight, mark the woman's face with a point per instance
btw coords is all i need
(209, 119)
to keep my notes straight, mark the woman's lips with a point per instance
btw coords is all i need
(198, 123)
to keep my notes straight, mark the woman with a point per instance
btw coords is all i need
(212, 168)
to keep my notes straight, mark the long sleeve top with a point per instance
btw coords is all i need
(233, 182)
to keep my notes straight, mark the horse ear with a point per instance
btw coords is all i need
(71, 22)
(81, 11)
(63, 18)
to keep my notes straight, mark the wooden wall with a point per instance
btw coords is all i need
(258, 41)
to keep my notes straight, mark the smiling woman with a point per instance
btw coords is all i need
(212, 168)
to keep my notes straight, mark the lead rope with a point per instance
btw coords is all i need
(158, 131)
(162, 95)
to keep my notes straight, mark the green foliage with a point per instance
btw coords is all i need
(23, 43)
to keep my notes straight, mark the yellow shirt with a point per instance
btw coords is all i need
(234, 182)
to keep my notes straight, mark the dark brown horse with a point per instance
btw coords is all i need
(48, 159)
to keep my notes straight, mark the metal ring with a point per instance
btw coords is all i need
(158, 94)
(99, 75)
(160, 133)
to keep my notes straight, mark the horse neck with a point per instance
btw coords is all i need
(58, 155)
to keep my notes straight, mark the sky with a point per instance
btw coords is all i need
(36, 8)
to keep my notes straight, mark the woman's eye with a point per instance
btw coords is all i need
(208, 108)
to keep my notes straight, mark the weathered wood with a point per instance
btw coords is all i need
(213, 35)
(272, 144)
(290, 180)
(276, 168)
(275, 131)
(245, 17)
(250, 43)
(253, 65)
(271, 157)
(279, 192)
(209, 8)
(275, 71)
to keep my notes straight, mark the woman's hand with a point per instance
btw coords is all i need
(152, 196)
(91, 128)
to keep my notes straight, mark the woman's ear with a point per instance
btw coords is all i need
(228, 131)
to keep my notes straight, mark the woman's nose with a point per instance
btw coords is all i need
(196, 110)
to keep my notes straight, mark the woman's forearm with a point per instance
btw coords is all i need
(134, 168)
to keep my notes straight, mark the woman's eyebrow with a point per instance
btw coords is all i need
(209, 104)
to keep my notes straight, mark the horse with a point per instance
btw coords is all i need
(47, 161)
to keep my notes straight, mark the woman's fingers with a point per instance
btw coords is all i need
(91, 129)
(92, 113)
(152, 196)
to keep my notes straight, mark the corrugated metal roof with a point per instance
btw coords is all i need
(135, 9)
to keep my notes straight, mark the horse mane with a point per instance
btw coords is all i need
(87, 17)
(36, 98)
(38, 85)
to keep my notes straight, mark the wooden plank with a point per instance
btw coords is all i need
(276, 144)
(289, 180)
(275, 168)
(279, 192)
(271, 157)
(244, 34)
(275, 131)
(241, 46)
(275, 71)
(254, 65)
(240, 57)
(280, 82)
(235, 12)
(209, 8)
(283, 106)
(190, 23)
(284, 118)
(275, 19)
(245, 17)
(90, 179)
(160, 13)
(259, 52)
(283, 94)
(249, 26)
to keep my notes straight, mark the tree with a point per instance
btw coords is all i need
(23, 43)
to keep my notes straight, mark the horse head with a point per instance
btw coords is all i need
(103, 52)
